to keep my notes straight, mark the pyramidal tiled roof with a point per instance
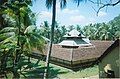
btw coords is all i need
(82, 41)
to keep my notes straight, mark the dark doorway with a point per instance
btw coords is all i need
(110, 74)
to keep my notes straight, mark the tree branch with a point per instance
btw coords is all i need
(104, 5)
(96, 2)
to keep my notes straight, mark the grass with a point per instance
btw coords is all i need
(67, 73)
(36, 70)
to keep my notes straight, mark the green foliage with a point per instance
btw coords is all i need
(62, 3)
(103, 31)
(33, 39)
(19, 34)
(59, 31)
(98, 31)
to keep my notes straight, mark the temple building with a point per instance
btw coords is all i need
(76, 50)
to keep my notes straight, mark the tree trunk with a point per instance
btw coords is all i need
(1, 21)
(51, 40)
(1, 18)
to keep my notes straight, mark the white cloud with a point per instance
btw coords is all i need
(68, 11)
(90, 20)
(101, 14)
(45, 14)
(82, 20)
(78, 18)
(72, 17)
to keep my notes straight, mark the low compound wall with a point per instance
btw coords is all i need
(65, 63)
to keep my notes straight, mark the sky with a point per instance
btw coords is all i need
(82, 15)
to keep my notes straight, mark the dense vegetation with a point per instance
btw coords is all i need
(103, 31)
(98, 31)
(18, 34)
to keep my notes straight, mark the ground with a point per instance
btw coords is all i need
(36, 69)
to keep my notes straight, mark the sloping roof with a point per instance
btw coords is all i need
(114, 45)
(80, 53)
(86, 40)
(101, 46)
(83, 53)
(75, 42)
(73, 54)
(68, 43)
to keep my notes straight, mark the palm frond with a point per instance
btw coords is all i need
(28, 44)
(11, 39)
(4, 36)
(49, 3)
(29, 29)
(63, 4)
(78, 1)
(37, 41)
(8, 29)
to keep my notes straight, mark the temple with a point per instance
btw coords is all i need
(75, 50)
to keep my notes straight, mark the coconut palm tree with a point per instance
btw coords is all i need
(49, 4)
(45, 29)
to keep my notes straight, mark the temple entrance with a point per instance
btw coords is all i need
(109, 71)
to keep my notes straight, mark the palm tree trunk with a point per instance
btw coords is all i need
(51, 40)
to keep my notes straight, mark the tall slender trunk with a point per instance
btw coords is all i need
(1, 21)
(51, 40)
